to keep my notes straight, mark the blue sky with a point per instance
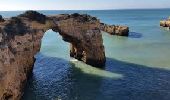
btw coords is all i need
(81, 4)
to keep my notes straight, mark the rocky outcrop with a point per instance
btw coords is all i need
(20, 40)
(34, 16)
(165, 23)
(115, 30)
(1, 19)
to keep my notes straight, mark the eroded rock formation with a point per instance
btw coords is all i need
(20, 40)
(115, 29)
(165, 23)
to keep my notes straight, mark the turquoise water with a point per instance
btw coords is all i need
(137, 67)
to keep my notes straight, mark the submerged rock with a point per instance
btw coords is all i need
(20, 40)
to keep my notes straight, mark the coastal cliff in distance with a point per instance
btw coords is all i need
(165, 23)
(20, 40)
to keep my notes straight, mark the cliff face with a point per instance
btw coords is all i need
(20, 40)
(165, 23)
(18, 46)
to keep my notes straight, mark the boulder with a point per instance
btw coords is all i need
(115, 30)
(165, 23)
(1, 19)
(122, 30)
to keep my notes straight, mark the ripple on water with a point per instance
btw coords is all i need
(58, 78)
(137, 67)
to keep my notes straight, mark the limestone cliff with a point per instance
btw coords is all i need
(20, 40)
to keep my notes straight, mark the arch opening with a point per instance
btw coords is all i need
(52, 45)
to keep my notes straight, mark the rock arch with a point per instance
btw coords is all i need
(20, 40)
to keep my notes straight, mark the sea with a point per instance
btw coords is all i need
(137, 67)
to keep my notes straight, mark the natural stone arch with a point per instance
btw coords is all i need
(20, 40)
(83, 33)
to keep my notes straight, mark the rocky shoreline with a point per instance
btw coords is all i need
(165, 23)
(20, 40)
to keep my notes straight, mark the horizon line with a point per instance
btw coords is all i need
(86, 9)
